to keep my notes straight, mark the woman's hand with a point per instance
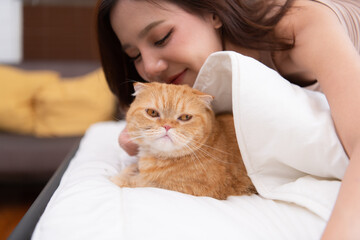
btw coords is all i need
(125, 143)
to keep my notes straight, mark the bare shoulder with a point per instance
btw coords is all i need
(304, 14)
(307, 21)
(315, 30)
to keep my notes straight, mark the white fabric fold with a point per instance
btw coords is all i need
(285, 133)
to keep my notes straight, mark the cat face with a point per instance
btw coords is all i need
(169, 120)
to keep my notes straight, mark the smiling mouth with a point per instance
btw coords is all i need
(177, 79)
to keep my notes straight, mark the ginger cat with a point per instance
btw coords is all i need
(182, 145)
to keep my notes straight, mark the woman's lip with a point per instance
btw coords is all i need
(178, 78)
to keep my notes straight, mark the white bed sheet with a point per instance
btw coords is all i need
(289, 147)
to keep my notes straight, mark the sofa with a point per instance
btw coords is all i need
(25, 157)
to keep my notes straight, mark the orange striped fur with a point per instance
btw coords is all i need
(199, 156)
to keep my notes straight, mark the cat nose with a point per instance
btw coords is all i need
(167, 127)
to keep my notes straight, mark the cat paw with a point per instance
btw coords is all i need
(131, 170)
(120, 181)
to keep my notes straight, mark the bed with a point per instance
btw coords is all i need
(288, 143)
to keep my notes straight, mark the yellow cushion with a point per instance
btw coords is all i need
(70, 106)
(17, 92)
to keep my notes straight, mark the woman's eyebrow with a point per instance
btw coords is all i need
(145, 31)
(149, 27)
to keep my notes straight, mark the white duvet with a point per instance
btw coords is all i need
(290, 149)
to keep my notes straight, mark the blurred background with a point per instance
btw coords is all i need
(51, 90)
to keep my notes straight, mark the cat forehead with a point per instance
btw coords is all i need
(170, 100)
(172, 88)
(168, 92)
(162, 95)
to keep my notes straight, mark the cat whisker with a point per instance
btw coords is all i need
(177, 137)
(180, 138)
(134, 138)
(205, 153)
(216, 149)
(198, 160)
(128, 80)
(202, 151)
(193, 149)
(116, 118)
(187, 141)
(146, 132)
(140, 136)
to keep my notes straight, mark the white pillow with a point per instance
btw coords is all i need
(87, 205)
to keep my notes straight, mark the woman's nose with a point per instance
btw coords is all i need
(153, 66)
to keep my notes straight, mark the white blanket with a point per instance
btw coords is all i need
(285, 133)
(289, 146)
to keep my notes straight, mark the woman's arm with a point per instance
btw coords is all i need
(345, 219)
(323, 49)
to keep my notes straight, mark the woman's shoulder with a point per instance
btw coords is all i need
(315, 29)
(302, 14)
(305, 22)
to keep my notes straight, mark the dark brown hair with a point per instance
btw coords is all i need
(246, 23)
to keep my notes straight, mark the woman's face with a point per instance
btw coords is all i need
(166, 43)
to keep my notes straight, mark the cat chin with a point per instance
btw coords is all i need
(162, 154)
(162, 149)
(165, 145)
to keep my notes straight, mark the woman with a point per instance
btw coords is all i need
(307, 42)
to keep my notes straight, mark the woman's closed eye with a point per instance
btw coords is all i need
(162, 41)
(159, 43)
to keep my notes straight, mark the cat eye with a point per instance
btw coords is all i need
(185, 117)
(152, 113)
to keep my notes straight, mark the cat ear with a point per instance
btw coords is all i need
(206, 98)
(138, 88)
